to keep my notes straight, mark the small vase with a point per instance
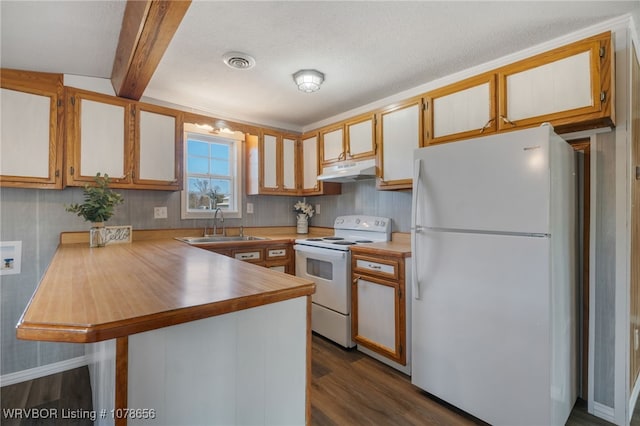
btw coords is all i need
(96, 234)
(302, 226)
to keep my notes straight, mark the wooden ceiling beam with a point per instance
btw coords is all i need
(147, 29)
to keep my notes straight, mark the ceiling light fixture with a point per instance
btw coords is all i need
(308, 80)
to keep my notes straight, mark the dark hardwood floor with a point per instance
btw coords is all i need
(350, 388)
(347, 388)
(55, 400)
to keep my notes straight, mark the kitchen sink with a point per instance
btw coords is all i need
(218, 239)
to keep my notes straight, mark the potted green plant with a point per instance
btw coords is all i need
(98, 206)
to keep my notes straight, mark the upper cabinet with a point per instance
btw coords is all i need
(570, 87)
(461, 110)
(137, 145)
(399, 132)
(353, 139)
(31, 122)
(310, 169)
(282, 164)
(158, 141)
(276, 163)
(99, 138)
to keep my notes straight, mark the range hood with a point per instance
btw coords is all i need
(349, 171)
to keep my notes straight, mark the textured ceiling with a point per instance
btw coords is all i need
(368, 50)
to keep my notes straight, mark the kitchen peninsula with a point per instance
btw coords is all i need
(191, 336)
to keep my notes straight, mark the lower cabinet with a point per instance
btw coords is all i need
(278, 257)
(379, 310)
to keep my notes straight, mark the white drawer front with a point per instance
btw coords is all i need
(376, 267)
(277, 252)
(250, 255)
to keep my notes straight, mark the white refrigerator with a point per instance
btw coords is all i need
(494, 302)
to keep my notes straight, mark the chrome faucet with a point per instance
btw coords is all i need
(215, 224)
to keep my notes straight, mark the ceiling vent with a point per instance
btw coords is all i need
(239, 60)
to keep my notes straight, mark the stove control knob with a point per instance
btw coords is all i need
(358, 221)
(382, 223)
(377, 223)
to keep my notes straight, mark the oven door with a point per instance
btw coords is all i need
(329, 270)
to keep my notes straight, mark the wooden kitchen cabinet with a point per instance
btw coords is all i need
(282, 164)
(99, 138)
(138, 145)
(280, 257)
(399, 132)
(273, 161)
(378, 304)
(310, 169)
(158, 147)
(461, 110)
(353, 139)
(570, 87)
(274, 256)
(32, 125)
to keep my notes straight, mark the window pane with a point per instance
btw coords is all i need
(198, 193)
(220, 151)
(197, 165)
(222, 186)
(210, 165)
(198, 148)
(219, 167)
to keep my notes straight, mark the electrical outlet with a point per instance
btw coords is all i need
(159, 212)
(317, 208)
(249, 208)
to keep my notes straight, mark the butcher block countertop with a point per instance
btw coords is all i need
(94, 294)
(400, 245)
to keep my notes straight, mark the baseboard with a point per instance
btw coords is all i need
(604, 412)
(43, 370)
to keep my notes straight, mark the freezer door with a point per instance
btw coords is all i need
(481, 328)
(495, 183)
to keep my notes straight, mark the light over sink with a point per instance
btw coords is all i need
(218, 239)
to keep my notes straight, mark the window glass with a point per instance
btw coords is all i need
(212, 175)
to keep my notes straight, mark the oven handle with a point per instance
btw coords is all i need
(320, 252)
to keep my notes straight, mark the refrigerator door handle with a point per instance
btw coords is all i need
(415, 228)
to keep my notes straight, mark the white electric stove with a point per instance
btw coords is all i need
(327, 262)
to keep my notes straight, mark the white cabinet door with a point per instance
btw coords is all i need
(31, 129)
(157, 147)
(400, 130)
(310, 163)
(558, 86)
(465, 109)
(361, 138)
(269, 162)
(102, 139)
(26, 136)
(289, 164)
(99, 138)
(561, 86)
(377, 313)
(333, 145)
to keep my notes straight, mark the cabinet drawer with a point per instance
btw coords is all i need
(379, 267)
(248, 255)
(279, 252)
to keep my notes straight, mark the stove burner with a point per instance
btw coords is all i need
(314, 239)
(363, 241)
(344, 243)
(333, 238)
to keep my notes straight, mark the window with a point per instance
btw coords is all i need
(212, 175)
